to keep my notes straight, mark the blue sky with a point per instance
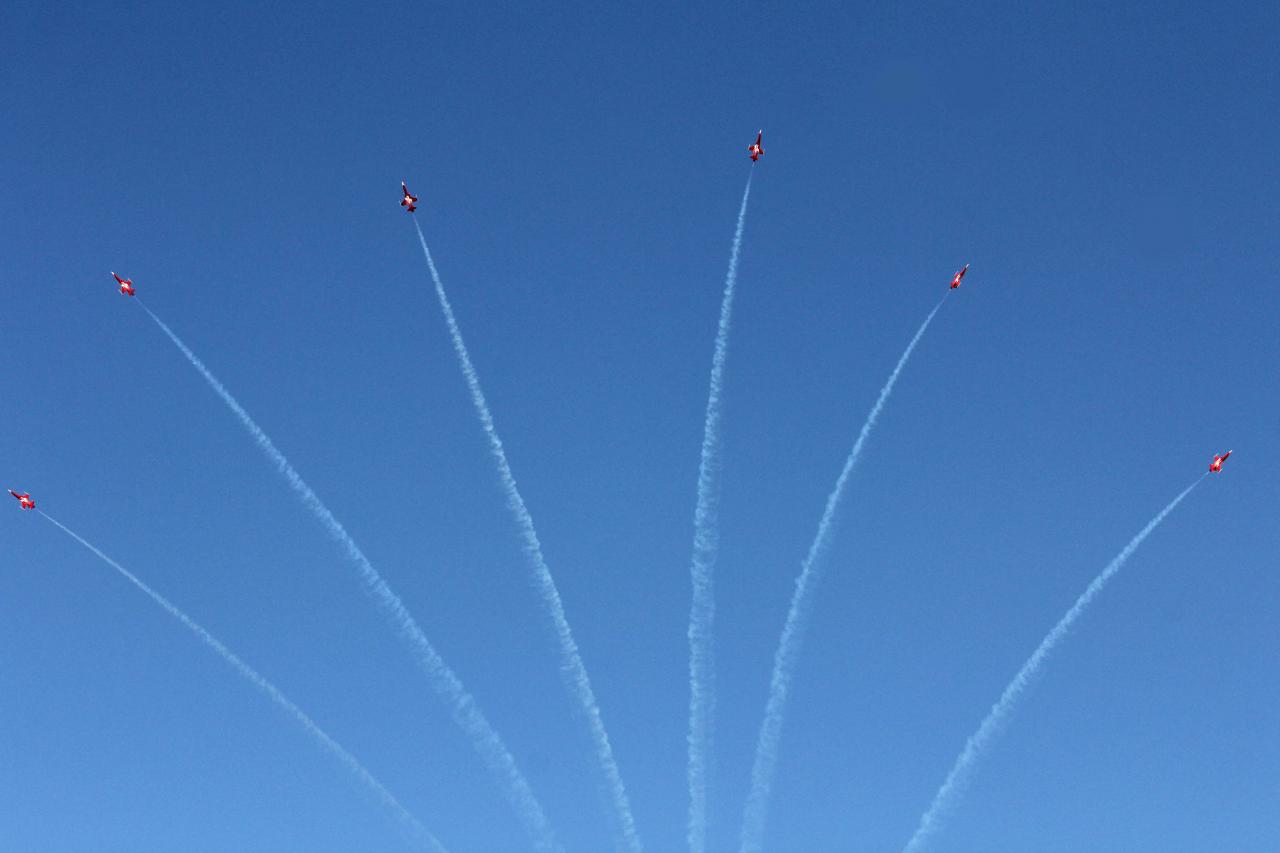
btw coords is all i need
(1108, 169)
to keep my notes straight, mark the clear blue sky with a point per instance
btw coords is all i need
(1109, 170)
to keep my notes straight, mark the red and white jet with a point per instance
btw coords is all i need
(955, 281)
(1216, 465)
(24, 500)
(408, 200)
(754, 149)
(126, 284)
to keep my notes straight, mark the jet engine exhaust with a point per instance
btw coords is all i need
(572, 667)
(272, 692)
(792, 640)
(446, 684)
(944, 800)
(706, 546)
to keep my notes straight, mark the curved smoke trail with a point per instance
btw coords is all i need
(571, 664)
(953, 786)
(442, 679)
(784, 659)
(706, 545)
(273, 693)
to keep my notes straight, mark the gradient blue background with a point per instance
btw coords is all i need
(1110, 171)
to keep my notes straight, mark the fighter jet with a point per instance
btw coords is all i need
(408, 200)
(754, 150)
(24, 500)
(126, 284)
(955, 282)
(1216, 465)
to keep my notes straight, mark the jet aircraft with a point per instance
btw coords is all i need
(409, 200)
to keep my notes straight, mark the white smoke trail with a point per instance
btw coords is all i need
(706, 545)
(420, 832)
(572, 668)
(442, 679)
(789, 646)
(953, 787)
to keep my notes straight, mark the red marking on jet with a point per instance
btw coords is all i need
(955, 282)
(1216, 465)
(24, 500)
(754, 149)
(126, 284)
